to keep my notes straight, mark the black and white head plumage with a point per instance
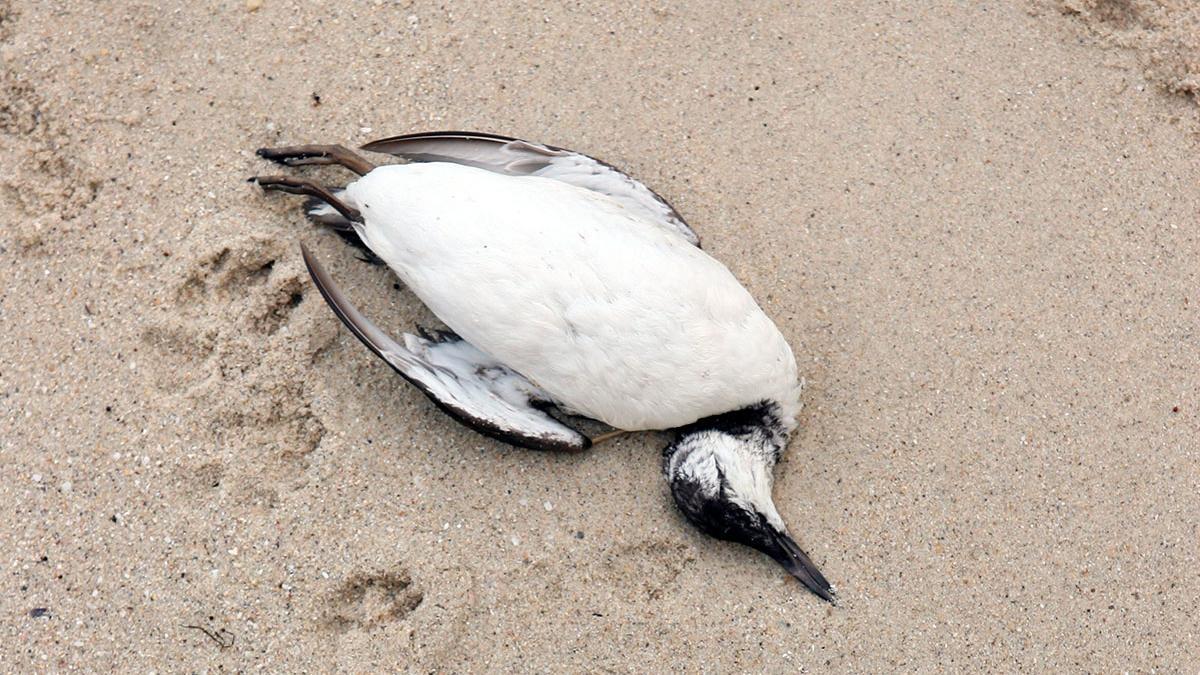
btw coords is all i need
(720, 470)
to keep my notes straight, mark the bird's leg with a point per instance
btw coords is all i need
(301, 155)
(609, 435)
(297, 186)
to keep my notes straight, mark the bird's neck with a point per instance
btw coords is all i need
(763, 415)
(763, 421)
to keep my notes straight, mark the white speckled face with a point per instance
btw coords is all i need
(742, 464)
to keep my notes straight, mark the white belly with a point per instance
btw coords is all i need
(616, 318)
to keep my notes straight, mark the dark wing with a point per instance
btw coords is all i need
(521, 158)
(467, 384)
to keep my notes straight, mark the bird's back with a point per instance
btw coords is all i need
(617, 318)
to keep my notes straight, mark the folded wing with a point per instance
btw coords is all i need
(467, 384)
(515, 157)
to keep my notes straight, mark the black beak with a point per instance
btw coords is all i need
(796, 561)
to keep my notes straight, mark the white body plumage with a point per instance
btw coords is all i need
(615, 317)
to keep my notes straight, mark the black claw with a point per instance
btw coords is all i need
(305, 155)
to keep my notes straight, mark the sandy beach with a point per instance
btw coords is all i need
(976, 224)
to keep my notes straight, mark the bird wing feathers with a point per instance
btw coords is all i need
(515, 157)
(467, 384)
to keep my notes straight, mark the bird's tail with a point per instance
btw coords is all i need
(321, 213)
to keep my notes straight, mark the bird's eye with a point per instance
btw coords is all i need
(722, 484)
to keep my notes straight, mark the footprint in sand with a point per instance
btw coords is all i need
(368, 601)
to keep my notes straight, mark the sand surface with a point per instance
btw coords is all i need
(975, 222)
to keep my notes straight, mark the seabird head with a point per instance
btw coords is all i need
(720, 472)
